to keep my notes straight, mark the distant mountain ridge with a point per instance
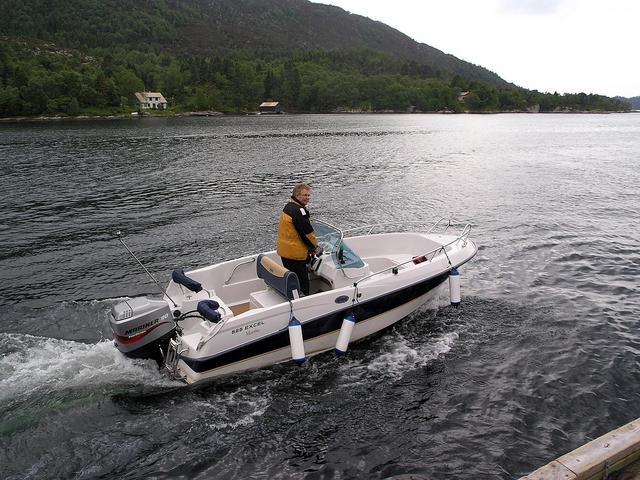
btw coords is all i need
(634, 102)
(268, 27)
(89, 57)
(288, 25)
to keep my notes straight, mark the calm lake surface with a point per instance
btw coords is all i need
(542, 356)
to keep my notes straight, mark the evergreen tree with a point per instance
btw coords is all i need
(74, 107)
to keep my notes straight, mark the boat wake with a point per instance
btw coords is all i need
(396, 354)
(35, 363)
(38, 374)
(403, 355)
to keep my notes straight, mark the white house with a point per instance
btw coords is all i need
(151, 100)
(462, 96)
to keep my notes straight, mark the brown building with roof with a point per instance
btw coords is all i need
(151, 100)
(270, 107)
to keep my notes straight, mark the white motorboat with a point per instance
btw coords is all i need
(247, 313)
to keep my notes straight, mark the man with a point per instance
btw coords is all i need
(296, 238)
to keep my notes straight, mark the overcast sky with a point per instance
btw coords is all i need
(568, 46)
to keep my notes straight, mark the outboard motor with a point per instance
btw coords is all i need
(141, 327)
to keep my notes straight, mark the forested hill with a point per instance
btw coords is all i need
(635, 102)
(290, 25)
(60, 57)
(265, 27)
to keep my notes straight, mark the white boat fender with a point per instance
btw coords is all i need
(296, 340)
(454, 287)
(345, 334)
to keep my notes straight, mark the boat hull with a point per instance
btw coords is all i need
(320, 334)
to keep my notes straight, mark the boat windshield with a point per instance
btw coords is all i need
(331, 239)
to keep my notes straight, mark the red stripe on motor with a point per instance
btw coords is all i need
(135, 338)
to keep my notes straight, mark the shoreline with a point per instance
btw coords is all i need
(58, 118)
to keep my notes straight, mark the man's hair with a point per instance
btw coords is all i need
(299, 188)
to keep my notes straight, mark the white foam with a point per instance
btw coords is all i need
(398, 356)
(224, 411)
(49, 364)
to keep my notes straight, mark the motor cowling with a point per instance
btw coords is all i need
(141, 325)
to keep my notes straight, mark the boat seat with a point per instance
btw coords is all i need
(265, 298)
(283, 281)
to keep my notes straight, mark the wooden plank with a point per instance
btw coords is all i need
(605, 452)
(604, 455)
(552, 471)
(239, 308)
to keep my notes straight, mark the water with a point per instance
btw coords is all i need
(543, 355)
